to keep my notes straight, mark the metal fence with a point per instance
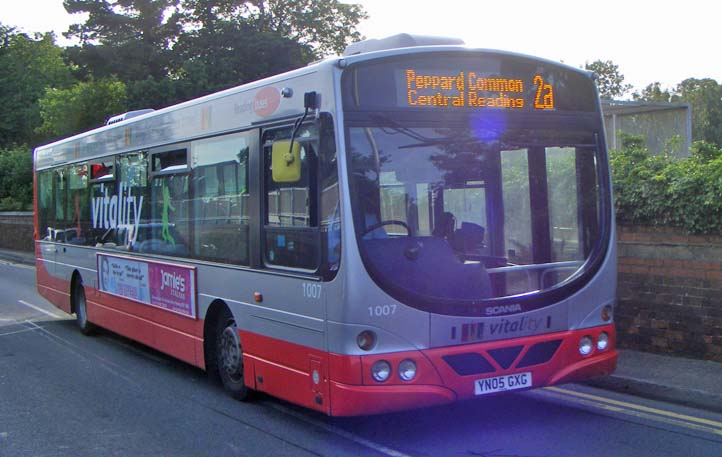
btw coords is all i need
(666, 127)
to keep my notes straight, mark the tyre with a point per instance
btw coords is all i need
(81, 310)
(229, 356)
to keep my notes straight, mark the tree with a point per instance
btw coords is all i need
(705, 98)
(166, 51)
(609, 80)
(207, 63)
(27, 67)
(16, 179)
(327, 26)
(653, 93)
(131, 39)
(81, 107)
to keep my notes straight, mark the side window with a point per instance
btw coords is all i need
(291, 232)
(46, 205)
(78, 230)
(219, 183)
(133, 189)
(61, 198)
(102, 190)
(168, 230)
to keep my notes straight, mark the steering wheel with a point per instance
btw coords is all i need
(380, 224)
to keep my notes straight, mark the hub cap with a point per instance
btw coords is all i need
(231, 354)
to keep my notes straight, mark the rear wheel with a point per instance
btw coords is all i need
(229, 356)
(81, 310)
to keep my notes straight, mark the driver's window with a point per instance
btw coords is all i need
(291, 231)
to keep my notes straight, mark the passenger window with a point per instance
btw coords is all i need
(72, 211)
(78, 229)
(291, 221)
(219, 183)
(46, 213)
(168, 231)
(61, 197)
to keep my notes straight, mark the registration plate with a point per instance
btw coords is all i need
(502, 383)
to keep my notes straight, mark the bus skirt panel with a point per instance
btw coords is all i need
(343, 385)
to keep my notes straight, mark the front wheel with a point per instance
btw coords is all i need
(81, 311)
(229, 357)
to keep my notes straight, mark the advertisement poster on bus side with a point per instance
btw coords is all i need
(169, 287)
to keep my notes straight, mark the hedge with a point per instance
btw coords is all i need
(666, 191)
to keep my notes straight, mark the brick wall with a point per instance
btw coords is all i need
(670, 292)
(16, 231)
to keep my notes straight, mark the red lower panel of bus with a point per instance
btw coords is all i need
(176, 335)
(345, 387)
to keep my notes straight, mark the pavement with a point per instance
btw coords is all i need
(689, 382)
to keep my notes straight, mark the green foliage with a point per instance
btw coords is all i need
(610, 81)
(326, 26)
(207, 64)
(167, 51)
(664, 191)
(705, 152)
(705, 97)
(84, 106)
(653, 93)
(27, 67)
(16, 179)
(128, 39)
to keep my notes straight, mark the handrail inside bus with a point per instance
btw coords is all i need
(537, 266)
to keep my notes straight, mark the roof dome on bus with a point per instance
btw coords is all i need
(402, 40)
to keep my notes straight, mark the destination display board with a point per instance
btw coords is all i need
(467, 81)
(468, 89)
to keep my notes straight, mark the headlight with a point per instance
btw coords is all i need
(586, 345)
(381, 370)
(407, 370)
(603, 341)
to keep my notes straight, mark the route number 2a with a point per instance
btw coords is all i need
(544, 98)
(382, 310)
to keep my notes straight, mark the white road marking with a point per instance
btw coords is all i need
(39, 309)
(18, 331)
(340, 432)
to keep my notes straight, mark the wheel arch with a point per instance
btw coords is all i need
(76, 279)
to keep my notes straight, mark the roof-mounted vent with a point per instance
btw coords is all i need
(402, 40)
(128, 115)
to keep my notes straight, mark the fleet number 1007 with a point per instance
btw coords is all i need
(382, 310)
(311, 290)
